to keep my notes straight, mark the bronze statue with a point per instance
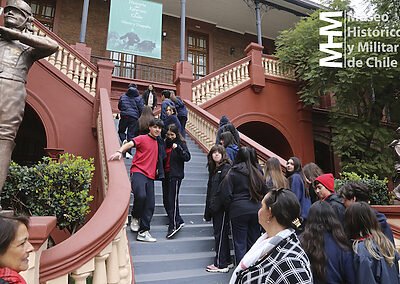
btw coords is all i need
(19, 49)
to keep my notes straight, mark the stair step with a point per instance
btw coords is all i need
(185, 198)
(171, 246)
(193, 218)
(184, 208)
(188, 231)
(184, 190)
(166, 263)
(177, 276)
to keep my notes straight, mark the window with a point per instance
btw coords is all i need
(44, 11)
(124, 64)
(198, 53)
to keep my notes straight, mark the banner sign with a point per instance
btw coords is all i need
(135, 27)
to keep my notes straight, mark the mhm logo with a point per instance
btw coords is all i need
(333, 30)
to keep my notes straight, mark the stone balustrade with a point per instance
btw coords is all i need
(70, 63)
(235, 74)
(275, 68)
(216, 83)
(203, 131)
(111, 265)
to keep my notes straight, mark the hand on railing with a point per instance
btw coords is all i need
(116, 156)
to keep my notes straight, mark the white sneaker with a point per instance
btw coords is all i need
(145, 237)
(124, 142)
(128, 156)
(213, 268)
(135, 225)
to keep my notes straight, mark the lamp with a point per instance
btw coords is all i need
(231, 50)
(164, 34)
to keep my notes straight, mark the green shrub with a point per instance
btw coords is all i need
(380, 194)
(51, 188)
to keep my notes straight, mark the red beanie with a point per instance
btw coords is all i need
(327, 180)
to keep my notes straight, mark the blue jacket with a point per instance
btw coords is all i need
(164, 104)
(372, 271)
(339, 263)
(231, 151)
(336, 202)
(131, 103)
(180, 107)
(385, 227)
(297, 186)
(172, 119)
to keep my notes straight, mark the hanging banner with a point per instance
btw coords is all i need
(135, 27)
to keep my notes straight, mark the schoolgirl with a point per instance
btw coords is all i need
(177, 154)
(218, 165)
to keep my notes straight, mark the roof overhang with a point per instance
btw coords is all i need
(239, 15)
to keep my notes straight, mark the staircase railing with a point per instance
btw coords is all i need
(100, 248)
(273, 67)
(203, 126)
(220, 81)
(69, 62)
(235, 74)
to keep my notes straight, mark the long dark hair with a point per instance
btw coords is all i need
(361, 224)
(173, 128)
(273, 172)
(257, 182)
(311, 172)
(297, 169)
(8, 230)
(321, 219)
(211, 165)
(227, 138)
(144, 119)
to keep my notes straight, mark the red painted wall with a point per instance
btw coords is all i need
(64, 109)
(276, 105)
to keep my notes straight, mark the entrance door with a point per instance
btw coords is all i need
(197, 52)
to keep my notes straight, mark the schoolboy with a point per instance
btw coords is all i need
(355, 191)
(146, 165)
(324, 186)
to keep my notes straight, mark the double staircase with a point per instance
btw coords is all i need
(183, 258)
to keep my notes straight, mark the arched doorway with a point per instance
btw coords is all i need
(268, 136)
(30, 140)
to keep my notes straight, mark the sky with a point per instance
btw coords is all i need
(359, 6)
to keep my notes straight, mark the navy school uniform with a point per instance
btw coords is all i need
(214, 210)
(243, 211)
(172, 182)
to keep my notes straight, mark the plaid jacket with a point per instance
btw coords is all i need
(287, 263)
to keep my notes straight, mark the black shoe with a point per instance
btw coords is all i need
(172, 232)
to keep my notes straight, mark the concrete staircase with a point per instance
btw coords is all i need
(183, 258)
